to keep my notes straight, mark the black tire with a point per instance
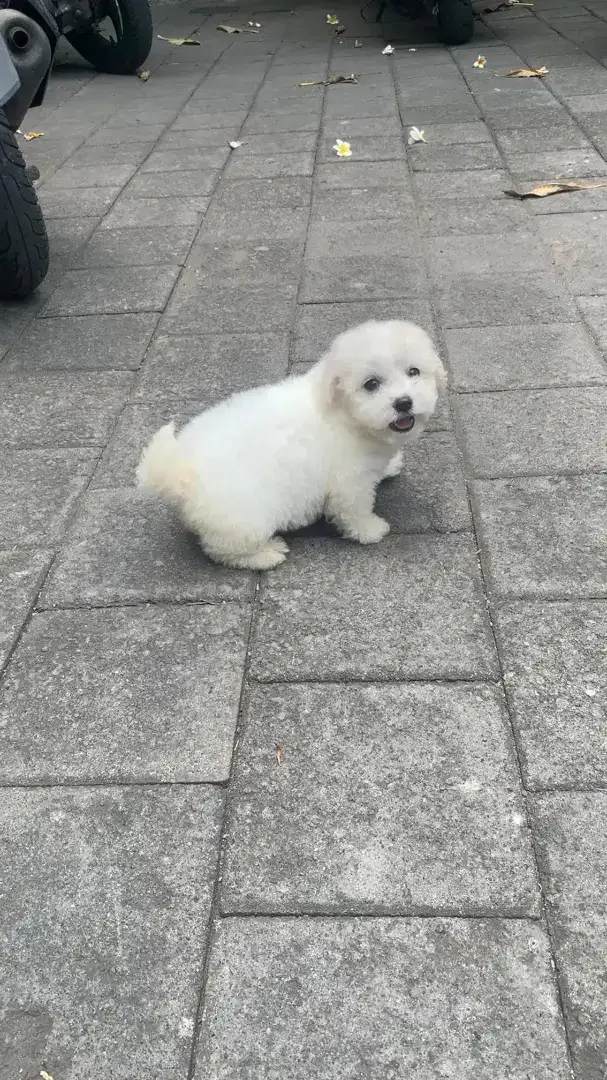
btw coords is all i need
(455, 21)
(23, 239)
(132, 23)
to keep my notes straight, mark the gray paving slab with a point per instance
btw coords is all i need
(38, 492)
(364, 203)
(503, 298)
(530, 432)
(239, 263)
(106, 904)
(87, 202)
(173, 184)
(59, 408)
(382, 148)
(317, 324)
(207, 368)
(556, 165)
(134, 429)
(578, 244)
(523, 357)
(198, 308)
(430, 494)
(572, 841)
(125, 548)
(368, 772)
(76, 708)
(259, 194)
(469, 255)
(142, 213)
(594, 311)
(135, 247)
(544, 536)
(350, 997)
(411, 608)
(21, 575)
(86, 343)
(349, 173)
(438, 159)
(111, 291)
(553, 655)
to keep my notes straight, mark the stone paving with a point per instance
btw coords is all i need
(413, 885)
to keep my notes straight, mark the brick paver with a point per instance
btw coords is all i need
(345, 822)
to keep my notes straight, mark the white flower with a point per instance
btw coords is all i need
(258, 24)
(415, 135)
(389, 49)
(234, 144)
(332, 20)
(480, 62)
(342, 149)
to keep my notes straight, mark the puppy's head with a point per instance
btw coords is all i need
(386, 377)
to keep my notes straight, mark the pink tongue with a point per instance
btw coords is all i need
(403, 422)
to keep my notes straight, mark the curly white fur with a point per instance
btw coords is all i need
(278, 457)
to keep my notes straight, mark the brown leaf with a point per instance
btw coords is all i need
(29, 135)
(179, 40)
(279, 750)
(227, 29)
(524, 73)
(339, 29)
(331, 80)
(542, 190)
(503, 5)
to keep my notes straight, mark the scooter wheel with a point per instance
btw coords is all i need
(119, 40)
(455, 21)
(23, 239)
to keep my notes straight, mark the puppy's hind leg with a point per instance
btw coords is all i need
(266, 555)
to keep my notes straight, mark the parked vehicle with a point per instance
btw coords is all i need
(454, 18)
(115, 36)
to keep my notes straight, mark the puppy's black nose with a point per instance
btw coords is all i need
(403, 404)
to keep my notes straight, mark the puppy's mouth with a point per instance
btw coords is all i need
(402, 423)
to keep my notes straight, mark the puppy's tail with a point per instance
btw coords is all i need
(165, 470)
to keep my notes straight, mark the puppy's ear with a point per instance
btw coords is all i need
(441, 374)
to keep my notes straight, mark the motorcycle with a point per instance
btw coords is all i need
(115, 36)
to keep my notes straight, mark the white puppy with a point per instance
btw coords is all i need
(278, 457)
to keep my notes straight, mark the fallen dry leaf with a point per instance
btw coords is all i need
(179, 40)
(339, 29)
(415, 136)
(342, 149)
(389, 49)
(480, 62)
(524, 73)
(542, 190)
(358, 44)
(228, 29)
(502, 5)
(29, 135)
(234, 144)
(257, 24)
(331, 80)
(143, 75)
(279, 750)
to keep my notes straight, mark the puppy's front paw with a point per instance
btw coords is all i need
(394, 466)
(372, 530)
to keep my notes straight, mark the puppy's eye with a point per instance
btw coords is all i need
(413, 372)
(371, 385)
